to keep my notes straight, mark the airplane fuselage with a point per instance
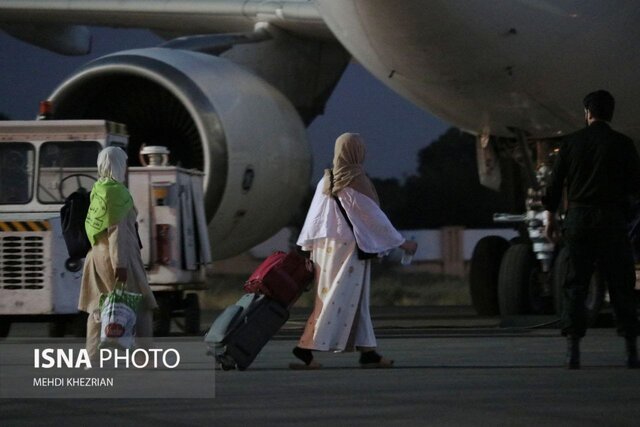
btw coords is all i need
(483, 65)
(491, 65)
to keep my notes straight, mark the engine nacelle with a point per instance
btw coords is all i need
(214, 116)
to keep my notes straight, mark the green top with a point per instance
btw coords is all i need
(110, 202)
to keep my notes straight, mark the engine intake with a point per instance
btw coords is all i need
(213, 116)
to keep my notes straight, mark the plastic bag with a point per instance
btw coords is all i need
(118, 317)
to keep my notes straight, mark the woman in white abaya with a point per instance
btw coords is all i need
(340, 320)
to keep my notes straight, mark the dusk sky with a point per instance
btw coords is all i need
(393, 128)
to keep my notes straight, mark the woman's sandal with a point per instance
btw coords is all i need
(383, 363)
(372, 360)
(307, 357)
(312, 366)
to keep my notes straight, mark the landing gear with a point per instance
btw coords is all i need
(483, 274)
(522, 286)
(521, 283)
(532, 270)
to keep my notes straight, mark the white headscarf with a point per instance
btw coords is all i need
(112, 163)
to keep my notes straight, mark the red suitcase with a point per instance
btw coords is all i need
(282, 277)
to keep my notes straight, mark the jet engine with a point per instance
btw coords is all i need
(214, 116)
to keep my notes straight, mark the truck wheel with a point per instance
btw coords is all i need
(162, 316)
(79, 325)
(191, 314)
(483, 274)
(58, 328)
(5, 327)
(518, 273)
(595, 293)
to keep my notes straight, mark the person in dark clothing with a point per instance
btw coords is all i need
(601, 170)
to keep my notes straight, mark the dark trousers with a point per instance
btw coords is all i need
(597, 235)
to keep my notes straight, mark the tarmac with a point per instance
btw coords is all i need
(451, 368)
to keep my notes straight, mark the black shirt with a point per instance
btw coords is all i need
(601, 168)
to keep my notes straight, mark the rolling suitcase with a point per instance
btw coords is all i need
(243, 329)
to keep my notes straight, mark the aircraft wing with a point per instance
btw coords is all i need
(37, 21)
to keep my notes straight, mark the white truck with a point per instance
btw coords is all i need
(43, 162)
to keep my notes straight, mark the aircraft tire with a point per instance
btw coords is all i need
(517, 272)
(595, 293)
(483, 274)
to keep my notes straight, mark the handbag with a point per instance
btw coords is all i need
(118, 317)
(282, 277)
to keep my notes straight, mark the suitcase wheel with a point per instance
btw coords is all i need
(226, 362)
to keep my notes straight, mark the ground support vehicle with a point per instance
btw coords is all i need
(175, 241)
(41, 163)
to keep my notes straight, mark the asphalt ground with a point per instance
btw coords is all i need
(451, 368)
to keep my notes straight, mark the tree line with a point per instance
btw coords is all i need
(445, 189)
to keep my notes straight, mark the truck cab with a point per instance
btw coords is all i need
(41, 163)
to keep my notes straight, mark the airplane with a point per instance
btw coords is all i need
(231, 90)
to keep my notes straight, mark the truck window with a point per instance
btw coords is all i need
(16, 172)
(65, 167)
